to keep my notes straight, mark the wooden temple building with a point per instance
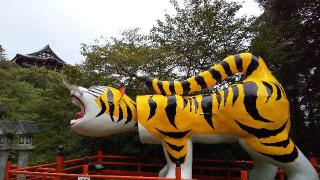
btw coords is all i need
(42, 58)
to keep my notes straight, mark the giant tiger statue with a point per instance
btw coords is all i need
(254, 112)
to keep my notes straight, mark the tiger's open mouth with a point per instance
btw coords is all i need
(76, 101)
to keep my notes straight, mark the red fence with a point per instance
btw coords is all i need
(103, 166)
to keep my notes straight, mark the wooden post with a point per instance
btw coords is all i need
(244, 174)
(178, 170)
(139, 167)
(244, 171)
(59, 164)
(100, 156)
(85, 167)
(281, 174)
(59, 161)
(8, 167)
(313, 160)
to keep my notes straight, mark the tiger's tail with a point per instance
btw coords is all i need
(246, 63)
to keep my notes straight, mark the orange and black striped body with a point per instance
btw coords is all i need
(248, 110)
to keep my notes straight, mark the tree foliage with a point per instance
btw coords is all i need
(36, 94)
(201, 33)
(117, 61)
(2, 55)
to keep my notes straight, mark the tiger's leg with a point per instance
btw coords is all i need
(294, 163)
(262, 170)
(178, 153)
(300, 169)
(163, 172)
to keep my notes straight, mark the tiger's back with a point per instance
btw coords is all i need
(250, 104)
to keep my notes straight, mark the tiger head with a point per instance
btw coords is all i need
(93, 119)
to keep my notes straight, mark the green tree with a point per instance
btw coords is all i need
(2, 55)
(4, 63)
(117, 61)
(36, 94)
(202, 33)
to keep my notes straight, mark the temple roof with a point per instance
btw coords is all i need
(18, 127)
(44, 54)
(8, 127)
(28, 127)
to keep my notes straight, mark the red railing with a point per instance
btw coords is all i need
(127, 167)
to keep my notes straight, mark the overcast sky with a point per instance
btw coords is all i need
(28, 25)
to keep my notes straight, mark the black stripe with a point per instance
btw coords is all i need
(120, 114)
(261, 132)
(185, 86)
(97, 89)
(225, 95)
(101, 88)
(171, 88)
(103, 108)
(153, 107)
(149, 85)
(226, 68)
(176, 135)
(190, 100)
(92, 94)
(250, 90)
(218, 98)
(160, 85)
(215, 75)
(179, 160)
(254, 64)
(285, 158)
(282, 90)
(185, 102)
(111, 104)
(174, 147)
(171, 109)
(235, 91)
(129, 113)
(238, 63)
(200, 81)
(283, 143)
(196, 104)
(278, 91)
(269, 89)
(133, 103)
(206, 105)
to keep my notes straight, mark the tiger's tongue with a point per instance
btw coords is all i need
(78, 115)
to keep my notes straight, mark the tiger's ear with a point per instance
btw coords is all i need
(122, 90)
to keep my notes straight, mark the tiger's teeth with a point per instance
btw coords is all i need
(74, 121)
